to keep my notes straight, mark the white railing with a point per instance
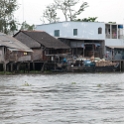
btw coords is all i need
(114, 36)
(108, 36)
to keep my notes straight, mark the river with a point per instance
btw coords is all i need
(62, 99)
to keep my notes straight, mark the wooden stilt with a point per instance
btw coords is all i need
(11, 67)
(42, 68)
(83, 49)
(120, 66)
(28, 66)
(4, 67)
(18, 66)
(33, 66)
(7, 67)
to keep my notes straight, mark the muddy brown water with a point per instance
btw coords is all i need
(62, 99)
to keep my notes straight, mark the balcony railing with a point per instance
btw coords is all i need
(114, 36)
(108, 36)
(120, 36)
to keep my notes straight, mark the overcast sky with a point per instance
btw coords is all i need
(106, 10)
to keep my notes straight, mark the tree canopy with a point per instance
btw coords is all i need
(67, 7)
(26, 26)
(89, 19)
(50, 13)
(7, 21)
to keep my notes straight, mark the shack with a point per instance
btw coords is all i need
(45, 47)
(12, 53)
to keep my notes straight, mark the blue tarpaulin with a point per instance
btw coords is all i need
(120, 26)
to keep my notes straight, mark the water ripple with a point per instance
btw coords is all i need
(62, 99)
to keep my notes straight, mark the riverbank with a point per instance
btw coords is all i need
(54, 72)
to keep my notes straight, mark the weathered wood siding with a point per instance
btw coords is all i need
(1, 55)
(24, 58)
(17, 56)
(37, 54)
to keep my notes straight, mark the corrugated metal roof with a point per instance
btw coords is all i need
(69, 22)
(10, 42)
(44, 39)
(28, 41)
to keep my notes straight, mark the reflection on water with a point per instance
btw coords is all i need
(62, 99)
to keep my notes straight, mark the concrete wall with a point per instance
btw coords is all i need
(114, 42)
(86, 30)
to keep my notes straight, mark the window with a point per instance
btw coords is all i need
(56, 33)
(25, 53)
(75, 32)
(100, 30)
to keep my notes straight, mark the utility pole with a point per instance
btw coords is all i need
(23, 10)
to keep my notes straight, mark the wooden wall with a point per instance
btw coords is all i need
(37, 54)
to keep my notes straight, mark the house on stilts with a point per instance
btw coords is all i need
(13, 54)
(47, 50)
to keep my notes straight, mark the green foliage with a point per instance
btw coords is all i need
(90, 19)
(73, 83)
(47, 72)
(50, 13)
(27, 84)
(6, 73)
(99, 85)
(112, 22)
(35, 72)
(7, 22)
(25, 26)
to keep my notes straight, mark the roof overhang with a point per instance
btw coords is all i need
(18, 50)
(74, 38)
(116, 47)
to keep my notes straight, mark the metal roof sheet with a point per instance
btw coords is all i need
(10, 42)
(44, 39)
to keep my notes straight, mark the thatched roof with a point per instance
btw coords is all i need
(10, 42)
(42, 38)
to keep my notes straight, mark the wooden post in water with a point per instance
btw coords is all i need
(4, 67)
(83, 49)
(33, 66)
(28, 67)
(83, 52)
(11, 67)
(93, 49)
(18, 65)
(120, 66)
(7, 67)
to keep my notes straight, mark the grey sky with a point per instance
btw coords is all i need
(106, 10)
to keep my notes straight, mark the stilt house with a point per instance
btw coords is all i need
(45, 47)
(12, 52)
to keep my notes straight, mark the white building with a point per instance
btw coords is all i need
(83, 36)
